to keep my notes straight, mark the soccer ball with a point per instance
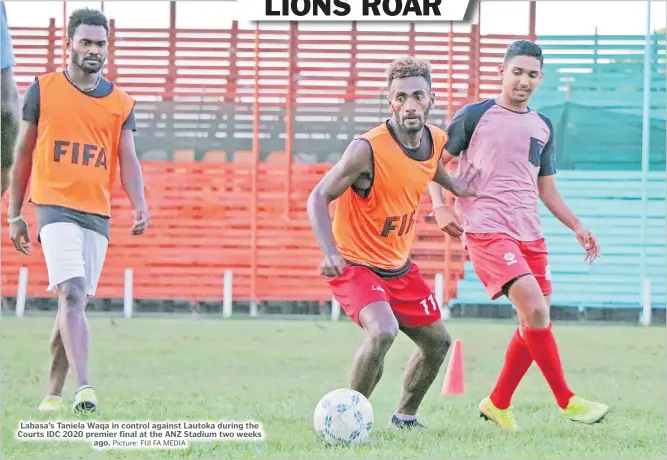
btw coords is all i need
(343, 416)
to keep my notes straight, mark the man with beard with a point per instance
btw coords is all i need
(511, 148)
(77, 126)
(378, 184)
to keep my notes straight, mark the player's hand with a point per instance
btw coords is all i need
(332, 266)
(460, 185)
(448, 221)
(18, 232)
(141, 220)
(589, 242)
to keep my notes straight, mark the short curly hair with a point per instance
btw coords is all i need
(409, 67)
(87, 17)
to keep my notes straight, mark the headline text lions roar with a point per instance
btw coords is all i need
(354, 10)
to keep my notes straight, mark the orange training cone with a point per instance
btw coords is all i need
(455, 383)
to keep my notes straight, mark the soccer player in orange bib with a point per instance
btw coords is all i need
(378, 184)
(511, 149)
(77, 127)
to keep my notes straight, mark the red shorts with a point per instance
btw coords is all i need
(410, 298)
(498, 258)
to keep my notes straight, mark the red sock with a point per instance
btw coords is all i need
(542, 345)
(517, 362)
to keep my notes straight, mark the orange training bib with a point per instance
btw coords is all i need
(76, 153)
(378, 231)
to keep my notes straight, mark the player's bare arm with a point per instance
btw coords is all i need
(20, 177)
(133, 181)
(555, 203)
(434, 189)
(458, 138)
(447, 219)
(11, 116)
(355, 162)
(457, 185)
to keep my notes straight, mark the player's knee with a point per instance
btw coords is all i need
(381, 339)
(438, 347)
(442, 344)
(527, 296)
(73, 292)
(380, 325)
(537, 314)
(538, 317)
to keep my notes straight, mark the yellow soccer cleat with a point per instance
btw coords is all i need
(504, 418)
(584, 411)
(52, 404)
(85, 400)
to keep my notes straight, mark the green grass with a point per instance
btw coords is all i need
(274, 372)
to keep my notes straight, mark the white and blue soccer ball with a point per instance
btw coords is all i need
(343, 416)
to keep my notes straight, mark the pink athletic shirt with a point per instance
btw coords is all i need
(510, 150)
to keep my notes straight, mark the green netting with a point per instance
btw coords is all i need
(595, 138)
(594, 95)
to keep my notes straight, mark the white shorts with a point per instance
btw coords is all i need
(70, 252)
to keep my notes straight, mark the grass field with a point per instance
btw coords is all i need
(274, 372)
